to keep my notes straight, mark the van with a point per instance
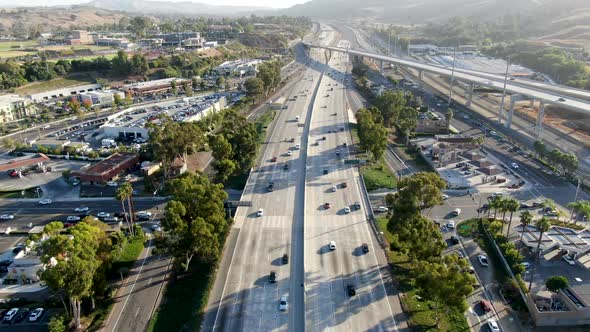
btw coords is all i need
(332, 245)
(456, 212)
(297, 118)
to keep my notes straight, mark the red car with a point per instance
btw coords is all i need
(485, 305)
(273, 159)
(326, 205)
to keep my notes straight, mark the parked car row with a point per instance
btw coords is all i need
(17, 315)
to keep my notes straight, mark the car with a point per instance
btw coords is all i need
(292, 140)
(356, 205)
(483, 260)
(6, 217)
(81, 209)
(332, 245)
(283, 305)
(323, 138)
(325, 172)
(485, 305)
(456, 212)
(289, 153)
(526, 265)
(285, 258)
(451, 224)
(493, 326)
(272, 277)
(10, 314)
(454, 239)
(270, 187)
(103, 214)
(365, 247)
(110, 219)
(120, 214)
(344, 185)
(498, 194)
(333, 189)
(337, 152)
(493, 133)
(112, 184)
(560, 99)
(36, 314)
(297, 146)
(260, 212)
(273, 159)
(45, 201)
(72, 218)
(466, 117)
(569, 259)
(326, 205)
(346, 209)
(350, 290)
(445, 196)
(156, 228)
(382, 209)
(514, 165)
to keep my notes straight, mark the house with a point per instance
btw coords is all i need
(80, 37)
(177, 38)
(14, 107)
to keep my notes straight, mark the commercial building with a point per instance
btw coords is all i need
(221, 33)
(151, 42)
(65, 92)
(23, 162)
(177, 38)
(80, 37)
(25, 268)
(107, 169)
(13, 107)
(114, 42)
(238, 67)
(210, 44)
(423, 48)
(100, 98)
(193, 43)
(153, 87)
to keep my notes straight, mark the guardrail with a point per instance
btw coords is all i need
(370, 213)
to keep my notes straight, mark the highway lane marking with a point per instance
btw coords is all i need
(133, 286)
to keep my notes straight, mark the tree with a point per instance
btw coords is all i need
(555, 283)
(220, 81)
(540, 148)
(222, 152)
(87, 104)
(526, 218)
(512, 206)
(254, 88)
(56, 324)
(117, 100)
(543, 226)
(390, 104)
(445, 283)
(407, 121)
(123, 195)
(173, 87)
(188, 88)
(74, 105)
(243, 138)
(139, 65)
(449, 117)
(194, 219)
(120, 63)
(579, 208)
(372, 132)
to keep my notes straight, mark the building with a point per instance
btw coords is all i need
(65, 92)
(210, 44)
(153, 87)
(151, 42)
(24, 162)
(192, 43)
(238, 68)
(431, 126)
(49, 143)
(100, 98)
(114, 42)
(80, 37)
(107, 169)
(13, 107)
(25, 268)
(176, 38)
(423, 48)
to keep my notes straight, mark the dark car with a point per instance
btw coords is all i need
(271, 187)
(272, 277)
(286, 167)
(365, 247)
(22, 315)
(350, 289)
(120, 214)
(344, 184)
(285, 259)
(356, 205)
(325, 171)
(326, 205)
(273, 159)
(485, 305)
(454, 239)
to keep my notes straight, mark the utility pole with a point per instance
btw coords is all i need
(501, 112)
(575, 198)
(452, 77)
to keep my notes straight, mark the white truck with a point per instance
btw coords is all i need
(108, 142)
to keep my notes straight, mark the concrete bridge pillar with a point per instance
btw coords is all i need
(511, 113)
(469, 95)
(540, 117)
(532, 104)
(381, 64)
(420, 77)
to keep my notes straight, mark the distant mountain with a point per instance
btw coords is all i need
(176, 8)
(418, 11)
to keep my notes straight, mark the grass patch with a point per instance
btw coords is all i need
(56, 83)
(185, 301)
(129, 255)
(237, 182)
(26, 193)
(420, 312)
(262, 124)
(468, 228)
(377, 175)
(559, 223)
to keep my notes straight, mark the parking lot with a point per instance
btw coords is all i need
(22, 323)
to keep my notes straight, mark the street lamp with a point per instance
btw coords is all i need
(452, 77)
(501, 112)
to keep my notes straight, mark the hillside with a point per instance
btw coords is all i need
(49, 18)
(177, 8)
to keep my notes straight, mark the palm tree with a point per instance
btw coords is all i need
(578, 208)
(512, 206)
(526, 218)
(496, 204)
(123, 194)
(503, 208)
(543, 226)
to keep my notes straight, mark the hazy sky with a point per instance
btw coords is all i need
(261, 3)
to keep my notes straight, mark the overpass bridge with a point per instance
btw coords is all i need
(519, 89)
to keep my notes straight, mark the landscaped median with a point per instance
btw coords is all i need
(377, 175)
(421, 313)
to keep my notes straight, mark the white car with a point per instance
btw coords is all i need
(73, 218)
(382, 209)
(445, 196)
(45, 201)
(514, 165)
(493, 326)
(6, 217)
(451, 224)
(483, 260)
(332, 245)
(283, 305)
(260, 213)
(36, 314)
(526, 265)
(103, 214)
(569, 259)
(81, 209)
(10, 314)
(297, 146)
(112, 184)
(333, 189)
(156, 228)
(346, 209)
(289, 153)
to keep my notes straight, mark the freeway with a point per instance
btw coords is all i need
(242, 298)
(549, 96)
(329, 180)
